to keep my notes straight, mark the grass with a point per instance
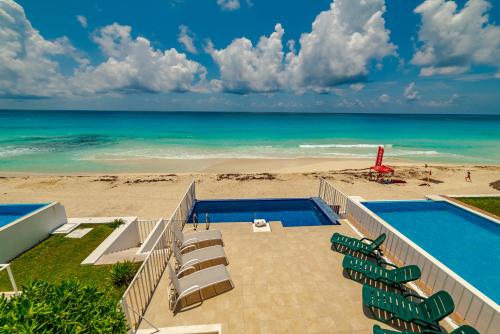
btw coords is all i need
(490, 204)
(58, 258)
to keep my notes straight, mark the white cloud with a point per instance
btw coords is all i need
(454, 40)
(340, 48)
(134, 65)
(343, 42)
(411, 93)
(247, 68)
(229, 4)
(357, 87)
(186, 39)
(384, 98)
(28, 65)
(441, 103)
(82, 20)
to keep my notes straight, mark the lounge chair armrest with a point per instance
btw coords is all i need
(366, 239)
(190, 240)
(190, 263)
(188, 246)
(188, 291)
(185, 269)
(408, 294)
(430, 331)
(382, 262)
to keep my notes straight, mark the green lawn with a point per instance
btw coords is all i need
(490, 204)
(58, 258)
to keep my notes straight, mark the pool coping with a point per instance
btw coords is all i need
(330, 216)
(444, 267)
(29, 214)
(446, 198)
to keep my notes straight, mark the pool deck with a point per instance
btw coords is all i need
(286, 281)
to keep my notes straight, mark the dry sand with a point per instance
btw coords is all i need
(150, 196)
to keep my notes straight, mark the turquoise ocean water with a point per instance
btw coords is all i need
(87, 141)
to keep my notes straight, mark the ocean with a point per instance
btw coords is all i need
(91, 141)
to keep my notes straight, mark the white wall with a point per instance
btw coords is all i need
(30, 230)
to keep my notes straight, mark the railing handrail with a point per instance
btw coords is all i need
(333, 196)
(331, 185)
(145, 266)
(6, 266)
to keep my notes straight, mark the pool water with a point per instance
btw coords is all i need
(12, 212)
(465, 242)
(291, 212)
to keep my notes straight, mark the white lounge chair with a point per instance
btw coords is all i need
(197, 239)
(203, 284)
(199, 259)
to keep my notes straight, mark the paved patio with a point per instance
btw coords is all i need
(286, 281)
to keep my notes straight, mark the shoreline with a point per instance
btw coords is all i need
(241, 165)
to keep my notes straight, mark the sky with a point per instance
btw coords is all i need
(394, 56)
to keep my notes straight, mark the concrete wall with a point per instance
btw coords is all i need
(30, 230)
(124, 237)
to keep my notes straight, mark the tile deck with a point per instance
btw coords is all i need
(286, 281)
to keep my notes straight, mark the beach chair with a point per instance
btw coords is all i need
(370, 249)
(395, 277)
(197, 287)
(199, 259)
(465, 329)
(427, 313)
(195, 240)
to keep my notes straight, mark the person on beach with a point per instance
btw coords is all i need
(467, 177)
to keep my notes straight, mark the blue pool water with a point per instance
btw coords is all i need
(465, 242)
(11, 212)
(291, 212)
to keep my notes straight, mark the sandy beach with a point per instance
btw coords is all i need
(154, 195)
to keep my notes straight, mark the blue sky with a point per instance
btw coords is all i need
(431, 56)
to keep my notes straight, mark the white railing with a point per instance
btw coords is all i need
(144, 227)
(336, 199)
(470, 304)
(6, 267)
(139, 293)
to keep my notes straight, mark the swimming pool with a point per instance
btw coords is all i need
(12, 212)
(291, 212)
(465, 242)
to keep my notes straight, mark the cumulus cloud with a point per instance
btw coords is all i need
(247, 68)
(411, 93)
(229, 4)
(384, 98)
(454, 40)
(134, 65)
(28, 65)
(357, 87)
(82, 20)
(186, 39)
(344, 41)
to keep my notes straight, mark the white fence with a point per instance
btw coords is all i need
(470, 304)
(144, 227)
(136, 298)
(336, 199)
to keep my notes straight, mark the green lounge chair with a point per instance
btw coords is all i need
(371, 249)
(427, 313)
(465, 329)
(394, 277)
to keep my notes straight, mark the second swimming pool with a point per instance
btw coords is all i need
(465, 242)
